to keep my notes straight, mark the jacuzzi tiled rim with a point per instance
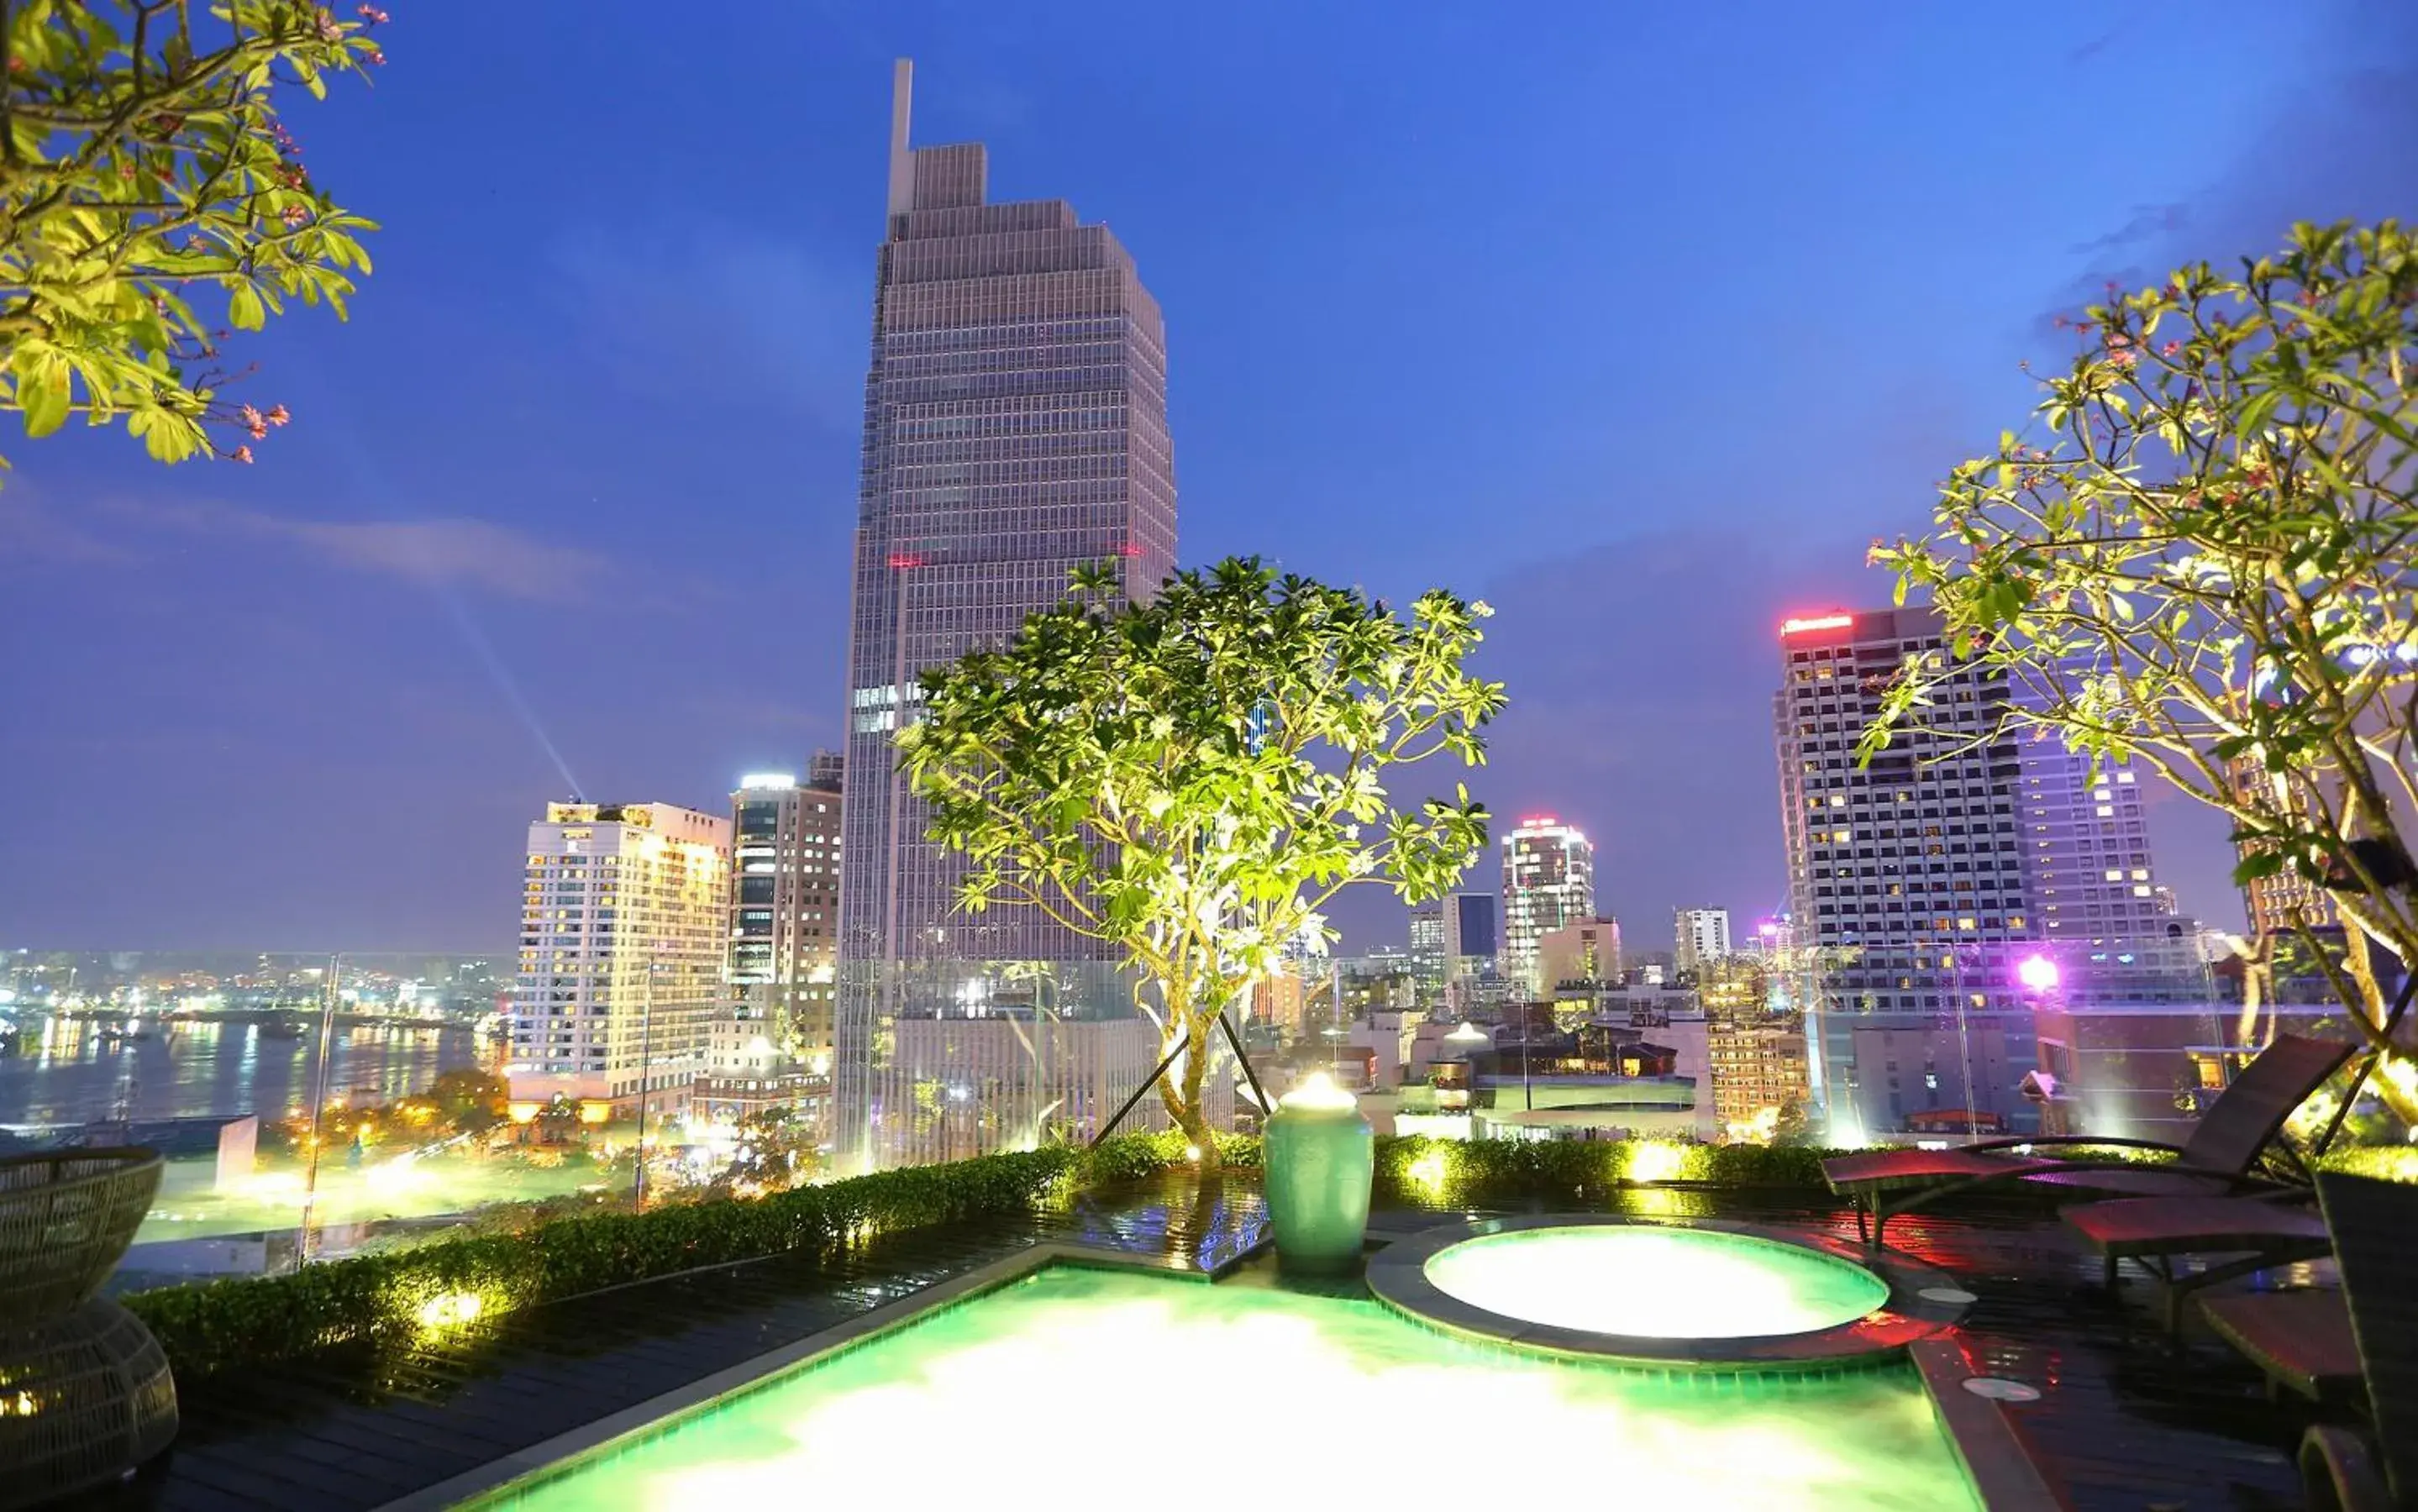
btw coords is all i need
(1398, 1275)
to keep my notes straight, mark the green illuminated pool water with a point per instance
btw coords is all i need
(1657, 1283)
(1062, 1390)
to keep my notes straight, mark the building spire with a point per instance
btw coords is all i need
(902, 162)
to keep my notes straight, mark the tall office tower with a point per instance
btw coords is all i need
(1699, 936)
(1906, 876)
(625, 921)
(1471, 943)
(1548, 881)
(2093, 886)
(1427, 947)
(1920, 883)
(2272, 902)
(785, 910)
(1015, 428)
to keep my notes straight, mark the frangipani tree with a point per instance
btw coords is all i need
(151, 199)
(2204, 557)
(1194, 778)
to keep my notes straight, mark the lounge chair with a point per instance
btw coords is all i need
(2299, 1339)
(2215, 1159)
(2155, 1232)
(2372, 1223)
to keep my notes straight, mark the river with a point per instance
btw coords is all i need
(64, 1072)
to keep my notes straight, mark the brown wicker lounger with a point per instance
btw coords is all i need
(2372, 1223)
(2215, 1159)
(2302, 1339)
(2155, 1231)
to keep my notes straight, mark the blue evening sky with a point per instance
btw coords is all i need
(1639, 321)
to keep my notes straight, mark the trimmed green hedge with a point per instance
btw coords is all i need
(1424, 1171)
(442, 1285)
(435, 1287)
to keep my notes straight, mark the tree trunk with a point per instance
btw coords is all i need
(2372, 1011)
(1179, 1091)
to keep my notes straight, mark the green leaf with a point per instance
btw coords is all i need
(244, 311)
(46, 395)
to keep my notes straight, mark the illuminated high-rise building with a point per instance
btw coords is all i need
(785, 908)
(1548, 881)
(1015, 429)
(1426, 944)
(625, 919)
(1921, 881)
(1698, 935)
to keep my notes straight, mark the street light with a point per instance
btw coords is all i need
(2038, 973)
(319, 1104)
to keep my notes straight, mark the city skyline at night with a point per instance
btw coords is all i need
(551, 459)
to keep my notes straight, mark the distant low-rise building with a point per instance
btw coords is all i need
(1587, 949)
(1758, 1068)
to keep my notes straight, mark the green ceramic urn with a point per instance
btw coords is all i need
(1319, 1157)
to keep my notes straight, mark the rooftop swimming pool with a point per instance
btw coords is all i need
(1078, 1386)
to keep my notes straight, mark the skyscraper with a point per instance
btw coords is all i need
(1906, 875)
(1470, 946)
(624, 922)
(1015, 428)
(785, 908)
(1548, 881)
(1426, 943)
(1699, 936)
(1921, 881)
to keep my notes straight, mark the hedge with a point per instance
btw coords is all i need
(410, 1294)
(451, 1282)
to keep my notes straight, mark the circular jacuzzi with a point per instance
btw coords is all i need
(1701, 1295)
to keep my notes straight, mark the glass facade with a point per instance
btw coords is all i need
(1015, 428)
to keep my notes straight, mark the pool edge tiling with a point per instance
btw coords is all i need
(495, 1483)
(637, 1440)
(1918, 1305)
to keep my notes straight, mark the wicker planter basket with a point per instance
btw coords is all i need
(84, 1400)
(66, 1217)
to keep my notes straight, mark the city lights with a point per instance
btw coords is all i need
(1827, 621)
(2037, 973)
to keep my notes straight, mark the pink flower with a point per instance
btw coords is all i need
(277, 415)
(373, 15)
(2170, 348)
(242, 454)
(329, 31)
(377, 56)
(293, 215)
(251, 416)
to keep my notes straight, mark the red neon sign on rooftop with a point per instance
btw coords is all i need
(905, 559)
(1823, 621)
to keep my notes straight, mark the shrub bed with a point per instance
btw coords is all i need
(449, 1283)
(436, 1286)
